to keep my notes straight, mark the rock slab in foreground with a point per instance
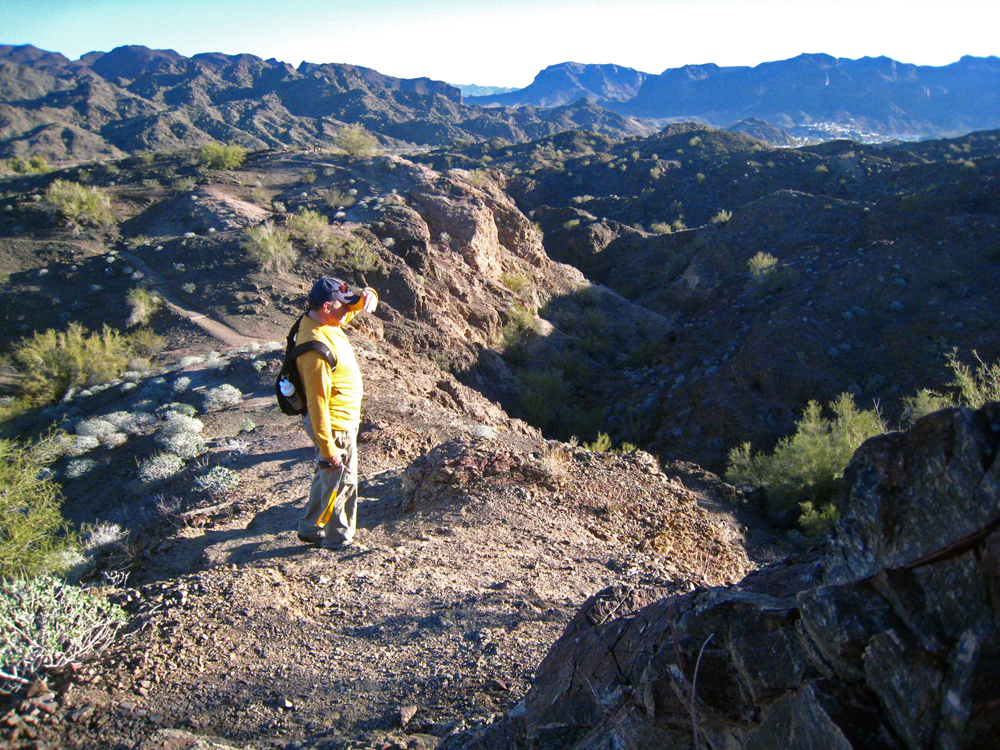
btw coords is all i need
(886, 637)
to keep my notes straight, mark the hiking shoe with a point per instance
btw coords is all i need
(310, 539)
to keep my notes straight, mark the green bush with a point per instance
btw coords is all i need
(270, 247)
(808, 466)
(142, 303)
(79, 205)
(338, 198)
(975, 388)
(32, 530)
(52, 362)
(722, 217)
(360, 257)
(36, 164)
(354, 140)
(769, 275)
(47, 625)
(313, 230)
(516, 281)
(216, 155)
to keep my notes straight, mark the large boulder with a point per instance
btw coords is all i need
(886, 637)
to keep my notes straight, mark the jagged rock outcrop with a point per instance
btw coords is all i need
(886, 637)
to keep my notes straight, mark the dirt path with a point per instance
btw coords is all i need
(211, 326)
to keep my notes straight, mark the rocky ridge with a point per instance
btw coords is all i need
(886, 637)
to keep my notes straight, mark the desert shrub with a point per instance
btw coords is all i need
(543, 393)
(571, 224)
(925, 402)
(32, 529)
(217, 481)
(134, 243)
(769, 275)
(479, 178)
(360, 257)
(313, 230)
(183, 184)
(978, 387)
(35, 164)
(160, 467)
(216, 155)
(520, 321)
(337, 198)
(132, 423)
(354, 140)
(183, 444)
(55, 361)
(221, 397)
(808, 466)
(661, 227)
(678, 224)
(79, 205)
(515, 281)
(722, 217)
(270, 247)
(180, 420)
(144, 343)
(48, 625)
(143, 304)
(601, 444)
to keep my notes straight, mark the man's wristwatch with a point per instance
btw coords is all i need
(325, 464)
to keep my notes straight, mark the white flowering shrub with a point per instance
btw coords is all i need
(97, 427)
(175, 422)
(48, 625)
(176, 408)
(84, 444)
(181, 384)
(133, 423)
(78, 467)
(217, 481)
(222, 397)
(159, 467)
(183, 444)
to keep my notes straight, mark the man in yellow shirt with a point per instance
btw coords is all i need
(333, 398)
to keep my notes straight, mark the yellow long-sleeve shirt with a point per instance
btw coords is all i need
(333, 398)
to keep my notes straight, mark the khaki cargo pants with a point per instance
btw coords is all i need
(331, 514)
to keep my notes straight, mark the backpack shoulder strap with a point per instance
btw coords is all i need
(315, 346)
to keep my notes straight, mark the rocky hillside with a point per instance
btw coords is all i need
(886, 637)
(589, 285)
(136, 99)
(885, 261)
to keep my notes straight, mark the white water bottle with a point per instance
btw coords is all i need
(288, 391)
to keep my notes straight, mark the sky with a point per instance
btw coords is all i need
(506, 44)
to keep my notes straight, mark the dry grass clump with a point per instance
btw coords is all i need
(270, 247)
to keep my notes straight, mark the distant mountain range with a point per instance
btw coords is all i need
(138, 99)
(809, 95)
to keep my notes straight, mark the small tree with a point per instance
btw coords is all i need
(216, 155)
(808, 466)
(356, 141)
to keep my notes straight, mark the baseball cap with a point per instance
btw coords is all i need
(328, 289)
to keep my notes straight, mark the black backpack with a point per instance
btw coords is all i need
(295, 403)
